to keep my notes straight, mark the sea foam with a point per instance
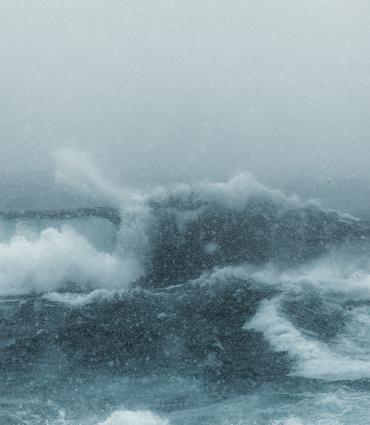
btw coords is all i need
(126, 417)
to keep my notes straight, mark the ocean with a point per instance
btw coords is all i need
(204, 303)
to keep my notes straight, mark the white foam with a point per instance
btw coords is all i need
(334, 273)
(292, 420)
(79, 300)
(75, 170)
(313, 358)
(45, 262)
(127, 417)
(234, 193)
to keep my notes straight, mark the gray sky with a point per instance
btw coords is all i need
(178, 90)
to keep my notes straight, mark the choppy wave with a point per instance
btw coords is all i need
(55, 258)
(168, 237)
(231, 284)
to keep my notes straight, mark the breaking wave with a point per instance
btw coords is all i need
(231, 284)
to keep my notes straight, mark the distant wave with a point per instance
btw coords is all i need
(165, 238)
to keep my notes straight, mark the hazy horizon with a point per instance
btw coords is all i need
(179, 91)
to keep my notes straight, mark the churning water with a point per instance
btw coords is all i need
(211, 303)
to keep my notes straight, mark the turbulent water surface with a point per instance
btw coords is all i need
(219, 304)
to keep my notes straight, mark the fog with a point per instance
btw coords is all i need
(157, 91)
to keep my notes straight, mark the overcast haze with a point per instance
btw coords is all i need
(178, 90)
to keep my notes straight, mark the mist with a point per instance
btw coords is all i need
(165, 91)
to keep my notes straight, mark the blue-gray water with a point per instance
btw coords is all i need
(222, 304)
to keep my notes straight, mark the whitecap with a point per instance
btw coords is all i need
(127, 417)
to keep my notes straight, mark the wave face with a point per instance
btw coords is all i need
(200, 303)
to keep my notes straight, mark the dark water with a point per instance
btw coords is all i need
(208, 304)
